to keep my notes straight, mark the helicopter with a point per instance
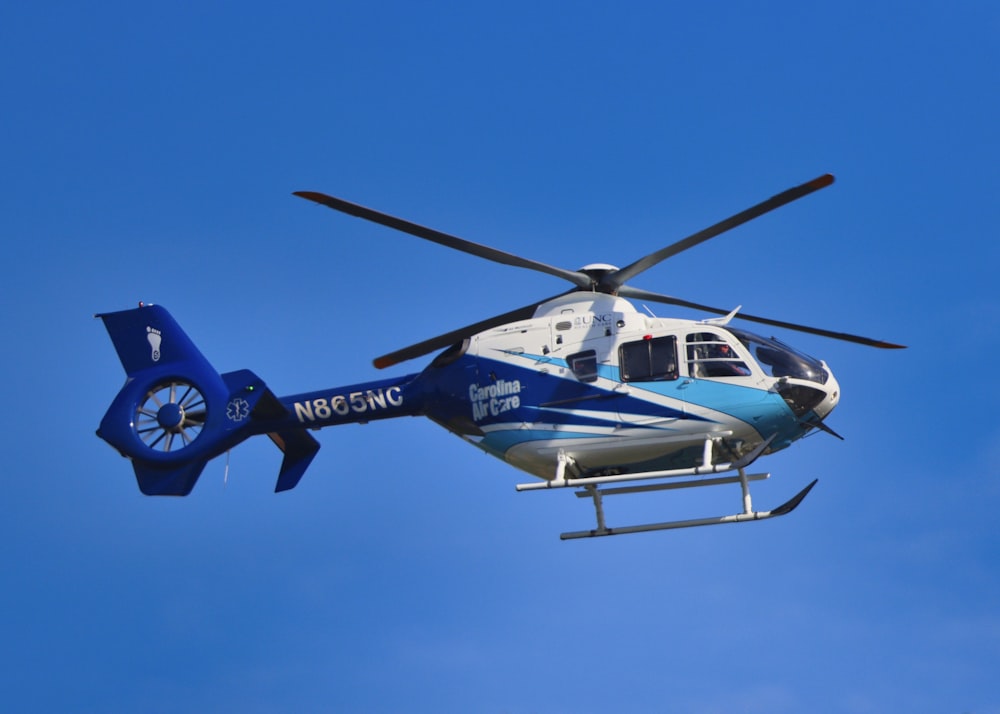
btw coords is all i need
(580, 390)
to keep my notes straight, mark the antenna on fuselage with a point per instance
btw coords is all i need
(723, 321)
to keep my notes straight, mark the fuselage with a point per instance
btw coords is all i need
(591, 380)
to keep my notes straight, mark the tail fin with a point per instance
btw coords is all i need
(175, 412)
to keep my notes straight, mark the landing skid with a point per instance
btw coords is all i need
(592, 488)
(748, 513)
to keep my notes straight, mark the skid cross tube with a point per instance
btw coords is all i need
(694, 483)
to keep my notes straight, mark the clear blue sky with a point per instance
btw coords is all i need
(149, 153)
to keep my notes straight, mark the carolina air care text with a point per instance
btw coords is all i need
(494, 399)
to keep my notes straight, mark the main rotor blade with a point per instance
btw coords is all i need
(630, 292)
(612, 281)
(450, 338)
(450, 241)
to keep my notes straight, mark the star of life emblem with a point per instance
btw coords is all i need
(238, 409)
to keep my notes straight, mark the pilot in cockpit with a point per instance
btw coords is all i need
(718, 360)
(729, 365)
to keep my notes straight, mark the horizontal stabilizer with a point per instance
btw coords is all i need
(299, 448)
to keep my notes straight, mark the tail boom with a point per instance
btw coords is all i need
(175, 412)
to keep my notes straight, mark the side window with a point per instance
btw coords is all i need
(709, 355)
(584, 365)
(649, 360)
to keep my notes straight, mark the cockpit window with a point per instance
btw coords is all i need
(650, 360)
(780, 360)
(584, 365)
(709, 355)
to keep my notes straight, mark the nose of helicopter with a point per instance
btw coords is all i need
(832, 398)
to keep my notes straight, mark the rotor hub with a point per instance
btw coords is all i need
(170, 416)
(597, 271)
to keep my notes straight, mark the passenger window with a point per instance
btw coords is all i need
(584, 365)
(650, 360)
(709, 355)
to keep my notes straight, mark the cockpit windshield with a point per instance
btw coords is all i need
(779, 360)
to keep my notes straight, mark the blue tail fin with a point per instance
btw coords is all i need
(175, 412)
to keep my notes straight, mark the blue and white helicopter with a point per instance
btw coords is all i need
(580, 389)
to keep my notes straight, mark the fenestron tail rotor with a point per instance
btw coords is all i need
(170, 416)
(608, 279)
